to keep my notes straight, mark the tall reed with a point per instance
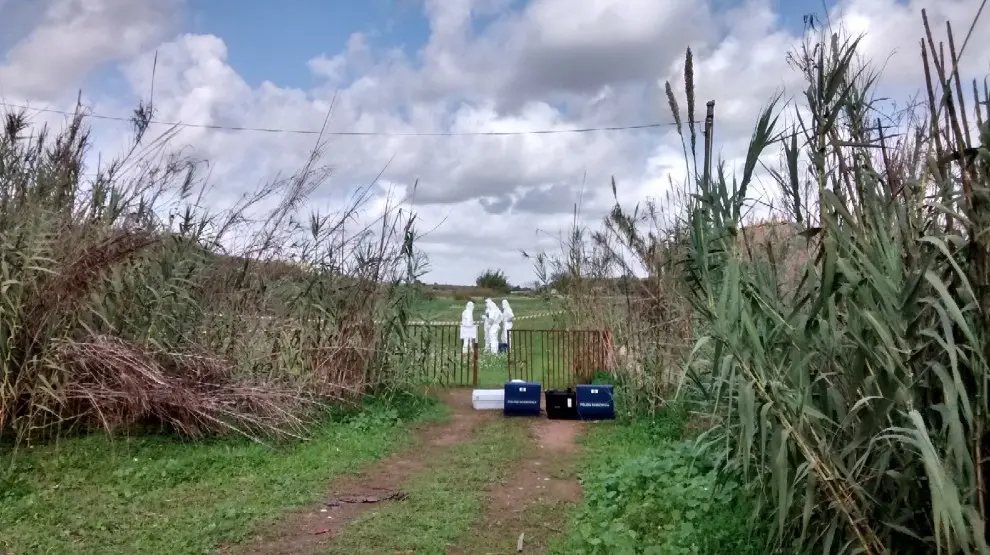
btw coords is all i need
(853, 393)
(126, 301)
(841, 345)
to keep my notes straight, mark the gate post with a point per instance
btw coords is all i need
(508, 354)
(474, 363)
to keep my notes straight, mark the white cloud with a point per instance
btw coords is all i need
(76, 37)
(895, 27)
(553, 64)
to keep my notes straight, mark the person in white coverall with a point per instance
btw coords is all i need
(494, 317)
(507, 317)
(469, 332)
(486, 324)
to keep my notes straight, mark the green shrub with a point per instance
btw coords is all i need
(494, 280)
(648, 489)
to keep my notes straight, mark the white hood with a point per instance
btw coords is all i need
(505, 306)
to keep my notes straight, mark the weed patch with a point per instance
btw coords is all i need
(648, 490)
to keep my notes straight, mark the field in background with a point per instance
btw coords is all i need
(545, 346)
(448, 308)
(493, 369)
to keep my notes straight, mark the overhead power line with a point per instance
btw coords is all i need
(354, 133)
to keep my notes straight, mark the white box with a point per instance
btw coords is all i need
(488, 399)
(469, 332)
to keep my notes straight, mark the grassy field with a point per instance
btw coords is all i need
(493, 370)
(161, 495)
(447, 308)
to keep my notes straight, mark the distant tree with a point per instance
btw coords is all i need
(494, 280)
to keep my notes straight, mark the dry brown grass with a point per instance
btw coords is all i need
(116, 386)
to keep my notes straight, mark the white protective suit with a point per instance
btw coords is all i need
(507, 317)
(485, 324)
(469, 331)
(493, 317)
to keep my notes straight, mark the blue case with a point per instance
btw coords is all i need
(522, 399)
(595, 402)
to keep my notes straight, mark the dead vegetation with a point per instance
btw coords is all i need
(126, 301)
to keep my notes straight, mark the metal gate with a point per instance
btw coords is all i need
(439, 354)
(558, 358)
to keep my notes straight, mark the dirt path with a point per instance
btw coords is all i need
(309, 530)
(534, 500)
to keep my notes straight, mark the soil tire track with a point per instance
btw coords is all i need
(544, 478)
(307, 531)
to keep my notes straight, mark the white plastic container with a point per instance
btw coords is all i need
(488, 399)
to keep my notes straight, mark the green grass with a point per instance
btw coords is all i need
(160, 495)
(549, 357)
(530, 363)
(542, 356)
(444, 503)
(647, 490)
(492, 370)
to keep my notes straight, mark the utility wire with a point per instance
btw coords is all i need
(355, 133)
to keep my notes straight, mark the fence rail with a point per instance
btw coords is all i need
(555, 358)
(559, 358)
(441, 356)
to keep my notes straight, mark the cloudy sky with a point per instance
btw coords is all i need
(400, 67)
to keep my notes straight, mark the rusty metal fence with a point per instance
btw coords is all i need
(441, 357)
(559, 358)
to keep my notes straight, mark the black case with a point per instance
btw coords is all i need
(561, 404)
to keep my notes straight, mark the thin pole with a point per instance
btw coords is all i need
(474, 362)
(709, 125)
(709, 140)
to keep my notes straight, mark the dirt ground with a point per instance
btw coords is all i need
(533, 502)
(543, 479)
